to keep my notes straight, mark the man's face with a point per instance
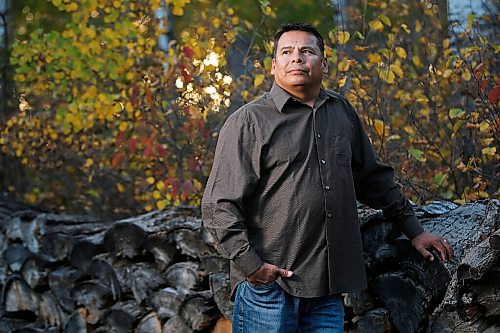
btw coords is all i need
(298, 63)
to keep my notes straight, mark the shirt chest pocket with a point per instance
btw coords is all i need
(341, 146)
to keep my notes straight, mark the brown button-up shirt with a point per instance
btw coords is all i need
(283, 190)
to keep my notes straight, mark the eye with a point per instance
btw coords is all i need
(286, 52)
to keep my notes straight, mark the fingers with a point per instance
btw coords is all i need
(426, 254)
(445, 250)
(268, 273)
(284, 273)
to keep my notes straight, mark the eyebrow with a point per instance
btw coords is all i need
(301, 48)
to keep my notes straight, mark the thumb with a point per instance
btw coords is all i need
(426, 254)
(285, 273)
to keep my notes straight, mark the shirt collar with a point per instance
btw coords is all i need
(281, 97)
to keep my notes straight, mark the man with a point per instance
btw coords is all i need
(281, 197)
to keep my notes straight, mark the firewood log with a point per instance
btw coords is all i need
(50, 312)
(176, 324)
(15, 256)
(124, 240)
(183, 276)
(221, 290)
(17, 296)
(190, 243)
(162, 249)
(77, 322)
(149, 324)
(61, 283)
(167, 302)
(35, 271)
(198, 312)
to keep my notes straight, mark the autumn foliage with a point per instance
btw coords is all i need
(110, 122)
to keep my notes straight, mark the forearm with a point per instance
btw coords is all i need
(227, 225)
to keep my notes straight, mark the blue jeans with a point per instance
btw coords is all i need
(269, 309)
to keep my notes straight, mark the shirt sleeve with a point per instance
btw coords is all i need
(374, 183)
(234, 174)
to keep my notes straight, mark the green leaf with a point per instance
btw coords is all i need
(456, 113)
(417, 154)
(359, 35)
(449, 62)
(440, 178)
(385, 20)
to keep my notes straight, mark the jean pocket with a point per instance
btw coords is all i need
(262, 286)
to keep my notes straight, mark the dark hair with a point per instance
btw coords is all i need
(299, 26)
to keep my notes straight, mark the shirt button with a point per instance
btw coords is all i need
(319, 135)
(329, 215)
(327, 187)
(323, 161)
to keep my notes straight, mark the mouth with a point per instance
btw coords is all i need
(297, 71)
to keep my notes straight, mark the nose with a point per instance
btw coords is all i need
(297, 56)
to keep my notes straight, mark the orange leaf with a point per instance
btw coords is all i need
(493, 95)
(116, 160)
(484, 83)
(162, 152)
(479, 71)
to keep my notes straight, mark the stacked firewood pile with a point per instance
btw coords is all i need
(406, 294)
(159, 272)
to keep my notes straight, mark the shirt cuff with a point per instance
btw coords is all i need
(411, 227)
(249, 262)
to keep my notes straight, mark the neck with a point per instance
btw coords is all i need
(306, 96)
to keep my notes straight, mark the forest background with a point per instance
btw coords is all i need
(112, 108)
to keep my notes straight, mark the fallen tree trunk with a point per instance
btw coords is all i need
(159, 272)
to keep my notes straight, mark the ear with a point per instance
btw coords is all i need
(273, 66)
(324, 64)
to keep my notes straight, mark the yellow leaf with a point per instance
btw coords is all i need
(343, 65)
(268, 62)
(416, 61)
(387, 75)
(123, 126)
(360, 48)
(446, 43)
(150, 180)
(161, 204)
(418, 26)
(379, 127)
(409, 129)
(401, 52)
(489, 151)
(343, 37)
(259, 78)
(447, 73)
(160, 185)
(385, 20)
(342, 81)
(397, 70)
(374, 58)
(376, 25)
(148, 208)
(72, 7)
(156, 195)
(120, 187)
(405, 28)
(484, 126)
(178, 11)
(466, 76)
